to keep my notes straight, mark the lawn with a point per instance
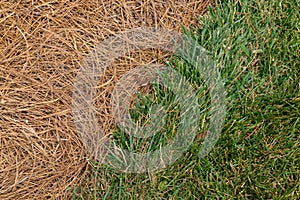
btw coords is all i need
(255, 45)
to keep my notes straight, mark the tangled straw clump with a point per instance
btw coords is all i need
(42, 45)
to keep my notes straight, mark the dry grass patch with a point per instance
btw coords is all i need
(42, 44)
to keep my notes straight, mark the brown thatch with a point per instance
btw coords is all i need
(42, 44)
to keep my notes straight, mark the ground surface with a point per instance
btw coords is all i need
(255, 45)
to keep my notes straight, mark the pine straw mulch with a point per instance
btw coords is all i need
(42, 44)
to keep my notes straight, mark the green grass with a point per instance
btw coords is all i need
(255, 44)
